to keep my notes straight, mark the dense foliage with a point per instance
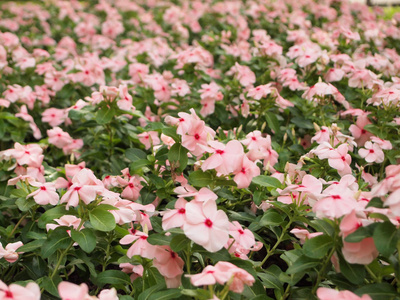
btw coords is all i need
(199, 149)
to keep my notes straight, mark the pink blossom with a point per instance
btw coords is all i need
(71, 291)
(58, 137)
(149, 139)
(140, 245)
(225, 158)
(304, 234)
(206, 226)
(372, 153)
(16, 292)
(135, 270)
(239, 277)
(246, 171)
(169, 264)
(10, 253)
(132, 187)
(54, 116)
(243, 237)
(260, 91)
(45, 194)
(330, 294)
(173, 218)
(340, 160)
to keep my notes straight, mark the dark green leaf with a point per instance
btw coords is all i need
(272, 121)
(271, 218)
(50, 285)
(51, 214)
(385, 238)
(159, 239)
(358, 235)
(377, 291)
(85, 239)
(267, 181)
(146, 293)
(200, 179)
(113, 277)
(303, 263)
(178, 157)
(102, 220)
(179, 242)
(105, 115)
(134, 154)
(25, 204)
(59, 239)
(353, 272)
(318, 247)
(165, 295)
(31, 246)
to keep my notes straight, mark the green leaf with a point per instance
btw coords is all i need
(31, 246)
(134, 154)
(51, 214)
(105, 115)
(159, 239)
(179, 242)
(385, 238)
(200, 179)
(258, 197)
(113, 277)
(102, 220)
(267, 181)
(165, 295)
(222, 254)
(358, 235)
(178, 157)
(171, 132)
(59, 239)
(50, 285)
(270, 280)
(353, 272)
(318, 247)
(271, 218)
(85, 239)
(272, 121)
(303, 263)
(25, 204)
(200, 294)
(146, 293)
(377, 291)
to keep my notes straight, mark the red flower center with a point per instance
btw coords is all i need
(77, 188)
(371, 151)
(343, 158)
(220, 151)
(181, 210)
(241, 231)
(336, 197)
(196, 136)
(9, 294)
(208, 223)
(131, 185)
(43, 188)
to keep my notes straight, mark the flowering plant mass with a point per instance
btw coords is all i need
(199, 150)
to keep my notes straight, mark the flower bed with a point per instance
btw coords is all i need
(205, 149)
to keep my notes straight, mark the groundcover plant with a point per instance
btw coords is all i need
(199, 150)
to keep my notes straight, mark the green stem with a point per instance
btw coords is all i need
(17, 225)
(322, 270)
(272, 250)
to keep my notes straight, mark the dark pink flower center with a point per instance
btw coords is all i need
(181, 210)
(131, 185)
(77, 188)
(371, 151)
(343, 158)
(220, 151)
(43, 188)
(336, 197)
(241, 231)
(196, 136)
(9, 294)
(208, 223)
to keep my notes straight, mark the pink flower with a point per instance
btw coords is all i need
(197, 134)
(246, 171)
(206, 277)
(260, 91)
(85, 186)
(225, 158)
(149, 139)
(45, 194)
(304, 234)
(71, 291)
(243, 237)
(140, 245)
(136, 270)
(239, 277)
(10, 253)
(58, 137)
(173, 218)
(132, 187)
(330, 294)
(206, 226)
(16, 292)
(340, 160)
(169, 264)
(372, 153)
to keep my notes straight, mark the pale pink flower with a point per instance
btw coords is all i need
(149, 139)
(54, 116)
(140, 245)
(323, 135)
(198, 134)
(330, 294)
(132, 187)
(71, 291)
(135, 270)
(304, 234)
(58, 137)
(246, 171)
(10, 253)
(85, 186)
(175, 217)
(372, 153)
(260, 91)
(243, 237)
(206, 277)
(45, 194)
(206, 226)
(16, 292)
(225, 158)
(169, 264)
(239, 277)
(340, 160)
(66, 220)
